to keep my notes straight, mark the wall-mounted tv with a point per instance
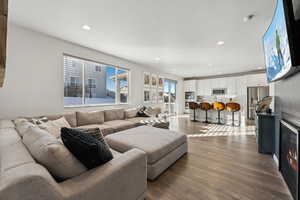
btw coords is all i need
(281, 43)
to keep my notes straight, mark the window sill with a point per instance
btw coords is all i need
(95, 105)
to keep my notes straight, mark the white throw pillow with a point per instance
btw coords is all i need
(54, 126)
(52, 154)
(131, 113)
(22, 126)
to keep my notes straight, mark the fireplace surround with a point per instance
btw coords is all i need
(289, 156)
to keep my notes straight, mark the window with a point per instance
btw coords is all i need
(91, 83)
(75, 81)
(82, 86)
(98, 68)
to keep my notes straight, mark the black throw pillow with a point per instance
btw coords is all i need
(87, 149)
(141, 112)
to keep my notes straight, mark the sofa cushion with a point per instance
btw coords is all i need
(8, 136)
(87, 118)
(115, 114)
(54, 126)
(120, 125)
(52, 154)
(137, 120)
(13, 155)
(105, 129)
(130, 113)
(6, 124)
(90, 151)
(154, 141)
(70, 117)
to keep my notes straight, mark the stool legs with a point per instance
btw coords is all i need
(232, 118)
(219, 117)
(194, 120)
(206, 121)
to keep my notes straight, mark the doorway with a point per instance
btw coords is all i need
(254, 95)
(170, 96)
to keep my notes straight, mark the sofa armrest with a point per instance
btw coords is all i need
(27, 182)
(124, 177)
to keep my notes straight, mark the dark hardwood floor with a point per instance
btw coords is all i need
(219, 168)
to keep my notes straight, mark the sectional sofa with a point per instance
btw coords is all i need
(122, 178)
(109, 121)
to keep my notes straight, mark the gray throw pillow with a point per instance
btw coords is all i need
(47, 150)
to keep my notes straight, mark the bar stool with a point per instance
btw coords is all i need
(193, 106)
(218, 106)
(205, 106)
(233, 107)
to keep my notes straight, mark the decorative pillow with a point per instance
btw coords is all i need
(95, 132)
(20, 120)
(131, 113)
(39, 120)
(90, 151)
(87, 118)
(70, 117)
(149, 111)
(52, 154)
(22, 126)
(141, 112)
(54, 126)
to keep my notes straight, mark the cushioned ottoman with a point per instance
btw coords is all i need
(163, 147)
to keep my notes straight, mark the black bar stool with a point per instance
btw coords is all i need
(205, 106)
(218, 106)
(233, 107)
(193, 106)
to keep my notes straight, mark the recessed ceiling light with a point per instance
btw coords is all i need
(220, 43)
(157, 59)
(86, 27)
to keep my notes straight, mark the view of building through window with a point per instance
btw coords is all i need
(88, 83)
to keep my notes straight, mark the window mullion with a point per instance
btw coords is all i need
(83, 83)
(116, 86)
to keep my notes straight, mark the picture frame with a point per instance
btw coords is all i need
(146, 79)
(160, 82)
(154, 80)
(146, 96)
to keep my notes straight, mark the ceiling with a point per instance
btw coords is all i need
(182, 33)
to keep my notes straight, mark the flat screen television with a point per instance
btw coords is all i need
(281, 42)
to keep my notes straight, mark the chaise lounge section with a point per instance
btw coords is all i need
(163, 147)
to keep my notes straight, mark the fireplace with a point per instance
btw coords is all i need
(289, 156)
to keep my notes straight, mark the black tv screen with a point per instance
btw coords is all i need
(280, 43)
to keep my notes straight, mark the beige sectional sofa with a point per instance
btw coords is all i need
(140, 152)
(109, 121)
(22, 178)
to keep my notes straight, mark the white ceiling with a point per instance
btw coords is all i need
(183, 33)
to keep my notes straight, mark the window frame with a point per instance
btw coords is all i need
(117, 98)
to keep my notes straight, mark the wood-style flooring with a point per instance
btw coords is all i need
(219, 168)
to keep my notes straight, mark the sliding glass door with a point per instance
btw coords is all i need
(170, 96)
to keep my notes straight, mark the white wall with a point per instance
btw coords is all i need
(34, 74)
